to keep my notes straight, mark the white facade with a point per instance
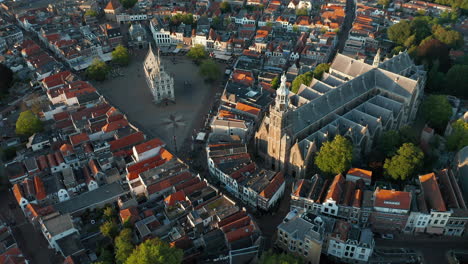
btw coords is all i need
(329, 207)
(438, 221)
(159, 81)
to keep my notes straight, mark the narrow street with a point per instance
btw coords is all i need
(347, 25)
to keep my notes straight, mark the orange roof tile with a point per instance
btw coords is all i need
(17, 192)
(168, 182)
(173, 198)
(273, 186)
(432, 193)
(243, 221)
(365, 174)
(40, 189)
(151, 144)
(127, 141)
(392, 199)
(129, 214)
(336, 188)
(240, 233)
(66, 149)
(247, 108)
(232, 218)
(79, 138)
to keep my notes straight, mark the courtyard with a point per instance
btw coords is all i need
(126, 88)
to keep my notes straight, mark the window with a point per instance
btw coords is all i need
(435, 222)
(442, 222)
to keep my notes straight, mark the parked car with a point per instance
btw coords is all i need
(387, 236)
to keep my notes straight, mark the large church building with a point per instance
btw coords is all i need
(356, 100)
(159, 81)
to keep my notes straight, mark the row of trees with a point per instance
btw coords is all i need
(307, 77)
(98, 70)
(122, 250)
(209, 69)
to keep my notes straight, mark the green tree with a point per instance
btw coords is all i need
(437, 111)
(197, 53)
(384, 3)
(109, 213)
(389, 142)
(123, 246)
(217, 23)
(399, 32)
(451, 38)
(305, 78)
(405, 163)
(431, 49)
(109, 229)
(106, 256)
(435, 78)
(210, 70)
(225, 7)
(302, 12)
(271, 258)
(6, 75)
(295, 28)
(98, 70)
(128, 3)
(155, 251)
(457, 80)
(120, 55)
(458, 139)
(335, 156)
(91, 12)
(28, 123)
(420, 28)
(275, 83)
(320, 69)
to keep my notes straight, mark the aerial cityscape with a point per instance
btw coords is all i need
(233, 131)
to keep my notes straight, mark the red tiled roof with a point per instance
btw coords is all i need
(169, 182)
(79, 138)
(273, 186)
(58, 157)
(40, 190)
(247, 108)
(112, 126)
(336, 188)
(239, 233)
(61, 116)
(365, 174)
(186, 184)
(66, 149)
(183, 243)
(112, 5)
(151, 144)
(93, 167)
(56, 79)
(392, 199)
(173, 198)
(12, 256)
(195, 187)
(51, 160)
(17, 192)
(432, 193)
(134, 170)
(129, 214)
(232, 218)
(42, 161)
(127, 141)
(357, 198)
(244, 221)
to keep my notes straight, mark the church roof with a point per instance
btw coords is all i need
(112, 5)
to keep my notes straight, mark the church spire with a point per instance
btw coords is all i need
(377, 59)
(282, 93)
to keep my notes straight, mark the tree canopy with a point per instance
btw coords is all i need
(451, 38)
(120, 55)
(109, 229)
(177, 19)
(457, 80)
(335, 156)
(210, 70)
(197, 53)
(91, 12)
(98, 70)
(384, 3)
(389, 142)
(271, 258)
(458, 139)
(155, 251)
(304, 78)
(437, 111)
(405, 163)
(28, 124)
(123, 246)
(399, 32)
(302, 12)
(320, 69)
(275, 83)
(6, 75)
(225, 7)
(128, 3)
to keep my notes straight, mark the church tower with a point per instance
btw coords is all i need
(376, 62)
(279, 140)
